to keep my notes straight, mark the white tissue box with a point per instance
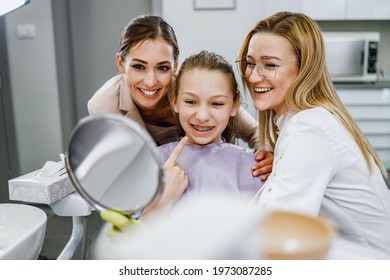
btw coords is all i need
(34, 188)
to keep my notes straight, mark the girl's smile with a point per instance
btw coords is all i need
(205, 105)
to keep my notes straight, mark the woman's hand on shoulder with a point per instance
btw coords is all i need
(263, 167)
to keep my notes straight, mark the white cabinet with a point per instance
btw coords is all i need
(325, 10)
(368, 10)
(333, 9)
(370, 108)
(273, 6)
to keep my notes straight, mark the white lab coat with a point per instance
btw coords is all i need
(319, 170)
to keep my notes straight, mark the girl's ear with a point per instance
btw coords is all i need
(120, 63)
(236, 106)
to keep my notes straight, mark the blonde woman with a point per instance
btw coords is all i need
(323, 164)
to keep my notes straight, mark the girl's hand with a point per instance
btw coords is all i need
(176, 182)
(264, 165)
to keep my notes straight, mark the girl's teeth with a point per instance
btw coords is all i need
(201, 129)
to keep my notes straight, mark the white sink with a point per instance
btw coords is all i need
(22, 231)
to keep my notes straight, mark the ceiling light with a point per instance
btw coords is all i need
(7, 6)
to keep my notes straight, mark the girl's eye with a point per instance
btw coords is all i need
(138, 66)
(189, 101)
(218, 104)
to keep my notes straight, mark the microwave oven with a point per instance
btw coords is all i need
(352, 56)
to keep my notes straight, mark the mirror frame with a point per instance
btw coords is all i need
(140, 132)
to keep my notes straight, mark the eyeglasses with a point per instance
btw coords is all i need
(267, 71)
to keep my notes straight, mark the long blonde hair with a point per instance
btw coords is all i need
(313, 87)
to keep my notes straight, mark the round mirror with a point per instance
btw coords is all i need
(113, 164)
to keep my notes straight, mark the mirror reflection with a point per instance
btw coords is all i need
(112, 162)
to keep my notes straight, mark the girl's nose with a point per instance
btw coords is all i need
(202, 114)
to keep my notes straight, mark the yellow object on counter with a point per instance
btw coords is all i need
(118, 220)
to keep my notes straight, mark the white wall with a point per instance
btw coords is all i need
(221, 31)
(34, 86)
